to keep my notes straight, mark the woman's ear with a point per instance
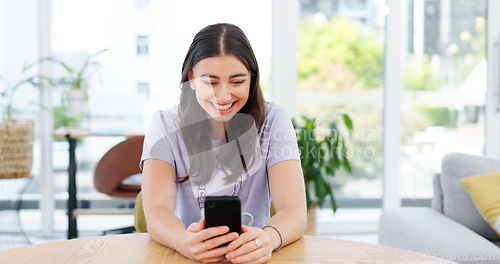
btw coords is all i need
(191, 80)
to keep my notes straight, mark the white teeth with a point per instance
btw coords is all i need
(223, 107)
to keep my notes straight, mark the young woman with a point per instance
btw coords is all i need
(222, 140)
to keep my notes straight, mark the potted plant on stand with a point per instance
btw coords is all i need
(322, 156)
(76, 97)
(17, 136)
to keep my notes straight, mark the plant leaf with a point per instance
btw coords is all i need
(347, 165)
(348, 122)
(332, 198)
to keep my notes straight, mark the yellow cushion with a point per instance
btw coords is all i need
(485, 193)
(139, 218)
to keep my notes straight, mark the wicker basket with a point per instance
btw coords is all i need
(16, 149)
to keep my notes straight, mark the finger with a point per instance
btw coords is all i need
(245, 228)
(219, 252)
(220, 240)
(244, 238)
(211, 232)
(196, 227)
(248, 248)
(249, 257)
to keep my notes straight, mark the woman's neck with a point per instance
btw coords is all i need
(218, 129)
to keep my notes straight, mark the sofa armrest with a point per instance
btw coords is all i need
(457, 203)
(429, 232)
(437, 196)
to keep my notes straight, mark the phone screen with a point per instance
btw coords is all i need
(223, 210)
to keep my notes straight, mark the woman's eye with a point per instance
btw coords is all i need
(209, 83)
(238, 82)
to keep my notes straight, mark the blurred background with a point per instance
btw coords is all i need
(340, 60)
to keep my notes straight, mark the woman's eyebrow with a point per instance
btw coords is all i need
(230, 77)
(238, 75)
(210, 76)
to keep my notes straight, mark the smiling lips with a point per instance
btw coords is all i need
(223, 108)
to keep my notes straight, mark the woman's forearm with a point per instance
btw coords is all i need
(286, 185)
(291, 223)
(164, 227)
(159, 193)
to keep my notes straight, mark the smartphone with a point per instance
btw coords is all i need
(223, 211)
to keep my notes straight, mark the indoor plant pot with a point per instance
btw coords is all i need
(16, 147)
(76, 97)
(76, 101)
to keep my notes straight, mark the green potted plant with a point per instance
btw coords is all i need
(322, 156)
(17, 136)
(76, 96)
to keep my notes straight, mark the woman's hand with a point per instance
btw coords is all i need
(253, 246)
(202, 245)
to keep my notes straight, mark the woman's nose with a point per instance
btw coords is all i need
(223, 94)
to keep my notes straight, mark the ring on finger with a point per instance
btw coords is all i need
(257, 242)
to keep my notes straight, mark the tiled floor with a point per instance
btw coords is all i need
(350, 224)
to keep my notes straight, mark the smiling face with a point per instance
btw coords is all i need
(221, 84)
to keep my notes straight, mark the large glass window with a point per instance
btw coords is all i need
(340, 67)
(18, 49)
(340, 64)
(444, 88)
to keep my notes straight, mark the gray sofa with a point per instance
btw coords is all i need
(452, 229)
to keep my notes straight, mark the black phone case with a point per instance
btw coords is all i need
(223, 210)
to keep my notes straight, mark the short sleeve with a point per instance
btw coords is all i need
(160, 139)
(282, 144)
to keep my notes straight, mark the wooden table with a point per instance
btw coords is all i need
(139, 248)
(72, 134)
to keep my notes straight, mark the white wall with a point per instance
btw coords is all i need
(18, 36)
(170, 26)
(177, 22)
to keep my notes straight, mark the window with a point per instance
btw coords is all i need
(340, 56)
(141, 4)
(143, 87)
(341, 50)
(142, 45)
(443, 89)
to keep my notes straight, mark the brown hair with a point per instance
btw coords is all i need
(211, 41)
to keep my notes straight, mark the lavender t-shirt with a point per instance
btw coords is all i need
(275, 142)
